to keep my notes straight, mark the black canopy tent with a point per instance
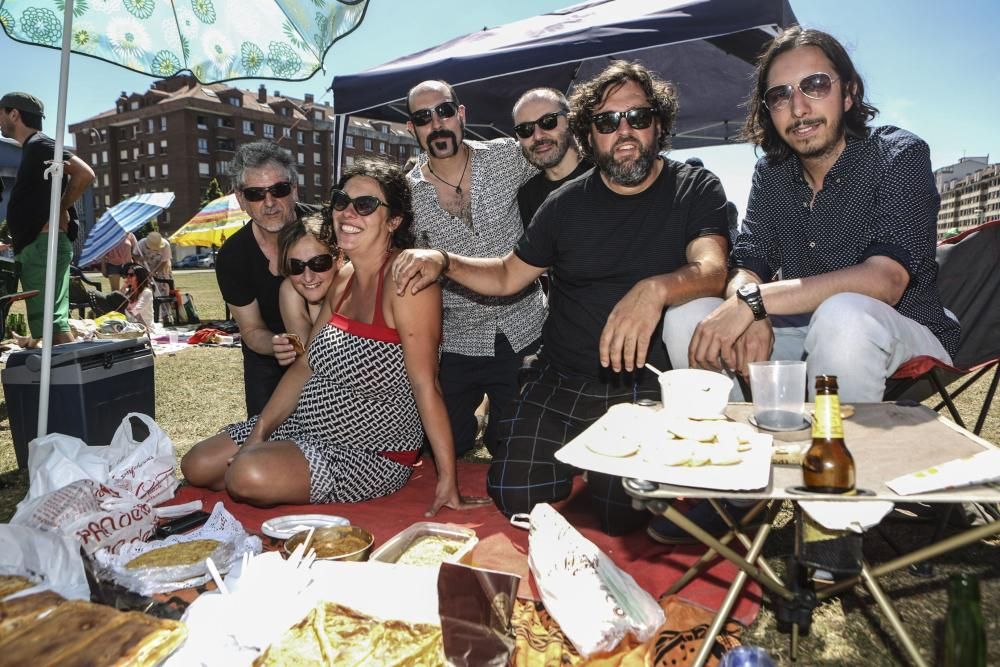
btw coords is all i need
(706, 47)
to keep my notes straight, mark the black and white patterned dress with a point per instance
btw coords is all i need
(357, 421)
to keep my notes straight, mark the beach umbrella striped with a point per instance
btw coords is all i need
(124, 217)
(213, 224)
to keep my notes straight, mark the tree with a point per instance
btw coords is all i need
(213, 192)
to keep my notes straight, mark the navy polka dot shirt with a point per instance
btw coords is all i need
(879, 198)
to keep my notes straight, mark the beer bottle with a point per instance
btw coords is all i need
(964, 635)
(827, 466)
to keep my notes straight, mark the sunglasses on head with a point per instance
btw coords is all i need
(423, 116)
(608, 121)
(364, 205)
(317, 264)
(815, 87)
(278, 190)
(546, 122)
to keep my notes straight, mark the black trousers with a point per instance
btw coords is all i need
(261, 376)
(552, 409)
(465, 379)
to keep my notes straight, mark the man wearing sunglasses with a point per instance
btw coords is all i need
(634, 235)
(835, 261)
(541, 124)
(465, 201)
(265, 181)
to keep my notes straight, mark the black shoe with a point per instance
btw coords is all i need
(665, 531)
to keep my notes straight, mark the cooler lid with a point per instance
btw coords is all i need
(72, 353)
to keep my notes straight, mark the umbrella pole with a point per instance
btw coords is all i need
(55, 172)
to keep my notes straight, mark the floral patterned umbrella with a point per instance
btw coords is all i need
(216, 40)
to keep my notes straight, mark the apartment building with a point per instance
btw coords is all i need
(970, 197)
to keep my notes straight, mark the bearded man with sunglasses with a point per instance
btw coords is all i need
(633, 236)
(835, 261)
(247, 269)
(465, 201)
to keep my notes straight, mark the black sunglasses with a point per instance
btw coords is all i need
(278, 190)
(317, 264)
(546, 122)
(364, 205)
(423, 116)
(815, 87)
(608, 121)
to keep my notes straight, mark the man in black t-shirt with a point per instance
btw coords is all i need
(28, 211)
(266, 185)
(541, 123)
(636, 234)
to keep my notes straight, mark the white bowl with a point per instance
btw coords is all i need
(692, 392)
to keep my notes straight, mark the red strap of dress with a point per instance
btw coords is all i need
(378, 319)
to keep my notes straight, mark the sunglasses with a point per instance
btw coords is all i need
(364, 205)
(815, 87)
(317, 264)
(423, 116)
(638, 119)
(278, 190)
(546, 122)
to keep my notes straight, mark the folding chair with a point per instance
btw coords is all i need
(969, 284)
(172, 299)
(8, 292)
(78, 297)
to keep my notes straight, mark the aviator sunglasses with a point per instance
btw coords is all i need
(546, 122)
(815, 87)
(423, 116)
(279, 190)
(608, 121)
(317, 264)
(364, 205)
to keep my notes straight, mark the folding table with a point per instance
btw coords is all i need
(887, 441)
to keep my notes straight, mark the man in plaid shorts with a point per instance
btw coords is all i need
(637, 234)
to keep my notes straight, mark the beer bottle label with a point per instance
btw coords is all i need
(827, 423)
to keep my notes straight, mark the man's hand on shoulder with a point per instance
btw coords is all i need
(416, 269)
(625, 338)
(715, 336)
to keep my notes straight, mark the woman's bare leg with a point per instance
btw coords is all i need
(206, 463)
(269, 473)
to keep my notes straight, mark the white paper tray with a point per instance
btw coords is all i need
(753, 472)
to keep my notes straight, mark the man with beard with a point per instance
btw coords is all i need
(835, 262)
(266, 186)
(541, 123)
(634, 235)
(465, 201)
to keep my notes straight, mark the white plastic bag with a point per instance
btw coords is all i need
(52, 560)
(594, 602)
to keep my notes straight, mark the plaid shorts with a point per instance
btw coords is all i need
(552, 410)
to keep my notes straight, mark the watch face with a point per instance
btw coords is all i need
(748, 289)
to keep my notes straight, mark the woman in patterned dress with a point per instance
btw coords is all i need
(347, 420)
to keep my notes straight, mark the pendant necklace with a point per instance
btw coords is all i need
(458, 186)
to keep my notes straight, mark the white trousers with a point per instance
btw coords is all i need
(859, 339)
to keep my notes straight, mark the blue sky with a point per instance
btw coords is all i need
(929, 66)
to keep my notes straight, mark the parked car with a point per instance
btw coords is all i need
(204, 260)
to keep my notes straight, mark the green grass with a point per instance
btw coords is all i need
(201, 389)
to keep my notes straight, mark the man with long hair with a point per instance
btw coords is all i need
(835, 261)
(634, 235)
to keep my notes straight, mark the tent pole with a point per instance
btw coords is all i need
(54, 172)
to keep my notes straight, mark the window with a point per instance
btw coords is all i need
(317, 158)
(402, 151)
(234, 101)
(368, 144)
(286, 132)
(104, 136)
(223, 166)
(163, 123)
(107, 200)
(301, 158)
(123, 154)
(318, 114)
(104, 157)
(248, 127)
(225, 144)
(317, 180)
(316, 138)
(226, 121)
(202, 145)
(203, 169)
(202, 123)
(106, 179)
(349, 141)
(414, 150)
(134, 105)
(269, 130)
(151, 148)
(135, 152)
(300, 137)
(124, 177)
(302, 179)
(149, 125)
(152, 171)
(348, 160)
(164, 170)
(123, 133)
(381, 147)
(163, 146)
(137, 174)
(93, 159)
